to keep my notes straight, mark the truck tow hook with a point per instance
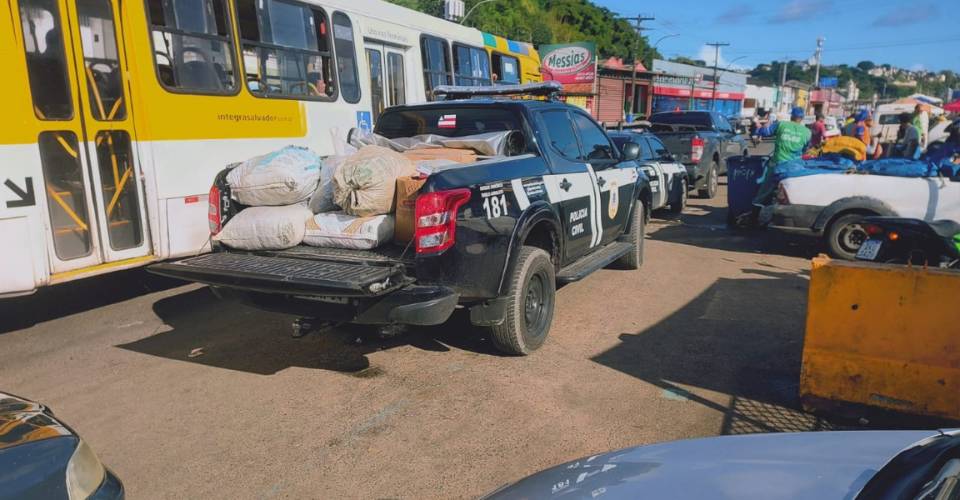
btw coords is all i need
(302, 326)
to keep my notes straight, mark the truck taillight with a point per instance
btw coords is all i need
(782, 198)
(436, 219)
(696, 149)
(213, 211)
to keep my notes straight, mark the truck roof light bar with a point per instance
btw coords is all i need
(548, 89)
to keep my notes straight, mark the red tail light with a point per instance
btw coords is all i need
(436, 219)
(872, 229)
(213, 211)
(696, 149)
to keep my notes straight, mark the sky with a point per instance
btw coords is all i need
(911, 34)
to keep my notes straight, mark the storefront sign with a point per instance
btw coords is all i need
(569, 62)
(673, 80)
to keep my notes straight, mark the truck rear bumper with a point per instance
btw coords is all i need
(412, 305)
(366, 292)
(795, 217)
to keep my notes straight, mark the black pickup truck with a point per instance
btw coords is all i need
(702, 141)
(495, 237)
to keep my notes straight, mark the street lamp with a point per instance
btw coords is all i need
(481, 2)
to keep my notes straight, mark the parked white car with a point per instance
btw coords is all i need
(668, 177)
(832, 205)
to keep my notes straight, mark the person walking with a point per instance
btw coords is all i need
(792, 138)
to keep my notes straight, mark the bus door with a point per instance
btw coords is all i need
(91, 178)
(386, 65)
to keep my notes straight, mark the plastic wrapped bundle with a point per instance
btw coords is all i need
(339, 230)
(364, 184)
(283, 177)
(265, 228)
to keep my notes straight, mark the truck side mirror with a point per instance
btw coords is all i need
(631, 151)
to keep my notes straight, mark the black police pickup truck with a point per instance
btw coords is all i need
(494, 237)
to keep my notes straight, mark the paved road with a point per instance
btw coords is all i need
(187, 396)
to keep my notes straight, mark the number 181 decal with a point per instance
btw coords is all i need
(495, 206)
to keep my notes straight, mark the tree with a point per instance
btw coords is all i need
(866, 65)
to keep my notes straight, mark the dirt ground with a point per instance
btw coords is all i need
(187, 396)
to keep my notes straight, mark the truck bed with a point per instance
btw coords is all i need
(299, 270)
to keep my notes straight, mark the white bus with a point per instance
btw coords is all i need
(119, 114)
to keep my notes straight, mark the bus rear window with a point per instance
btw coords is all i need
(448, 122)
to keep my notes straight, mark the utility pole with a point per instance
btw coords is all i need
(716, 59)
(783, 82)
(816, 78)
(636, 49)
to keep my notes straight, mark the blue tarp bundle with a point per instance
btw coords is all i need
(899, 167)
(833, 164)
(895, 167)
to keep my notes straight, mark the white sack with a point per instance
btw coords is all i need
(283, 177)
(365, 182)
(339, 230)
(322, 199)
(265, 228)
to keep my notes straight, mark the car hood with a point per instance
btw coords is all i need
(815, 465)
(23, 421)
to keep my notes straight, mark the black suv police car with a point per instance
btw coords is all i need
(496, 236)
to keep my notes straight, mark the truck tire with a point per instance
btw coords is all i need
(845, 235)
(712, 182)
(638, 226)
(530, 304)
(681, 203)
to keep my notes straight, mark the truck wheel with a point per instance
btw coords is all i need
(845, 235)
(712, 182)
(638, 226)
(529, 304)
(681, 203)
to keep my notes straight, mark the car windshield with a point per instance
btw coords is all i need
(451, 121)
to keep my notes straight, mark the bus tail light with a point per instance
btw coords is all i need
(436, 219)
(213, 211)
(696, 149)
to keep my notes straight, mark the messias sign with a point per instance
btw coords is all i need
(569, 62)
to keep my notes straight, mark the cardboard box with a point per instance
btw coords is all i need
(452, 154)
(406, 203)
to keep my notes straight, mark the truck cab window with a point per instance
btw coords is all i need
(286, 49)
(595, 144)
(193, 48)
(560, 134)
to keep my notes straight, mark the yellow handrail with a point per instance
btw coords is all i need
(66, 208)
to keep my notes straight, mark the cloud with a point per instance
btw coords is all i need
(707, 54)
(735, 14)
(918, 67)
(907, 14)
(800, 10)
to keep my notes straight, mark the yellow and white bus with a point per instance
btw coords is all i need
(119, 114)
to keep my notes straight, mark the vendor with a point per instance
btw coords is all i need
(792, 138)
(908, 139)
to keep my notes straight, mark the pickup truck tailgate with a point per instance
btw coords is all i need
(274, 274)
